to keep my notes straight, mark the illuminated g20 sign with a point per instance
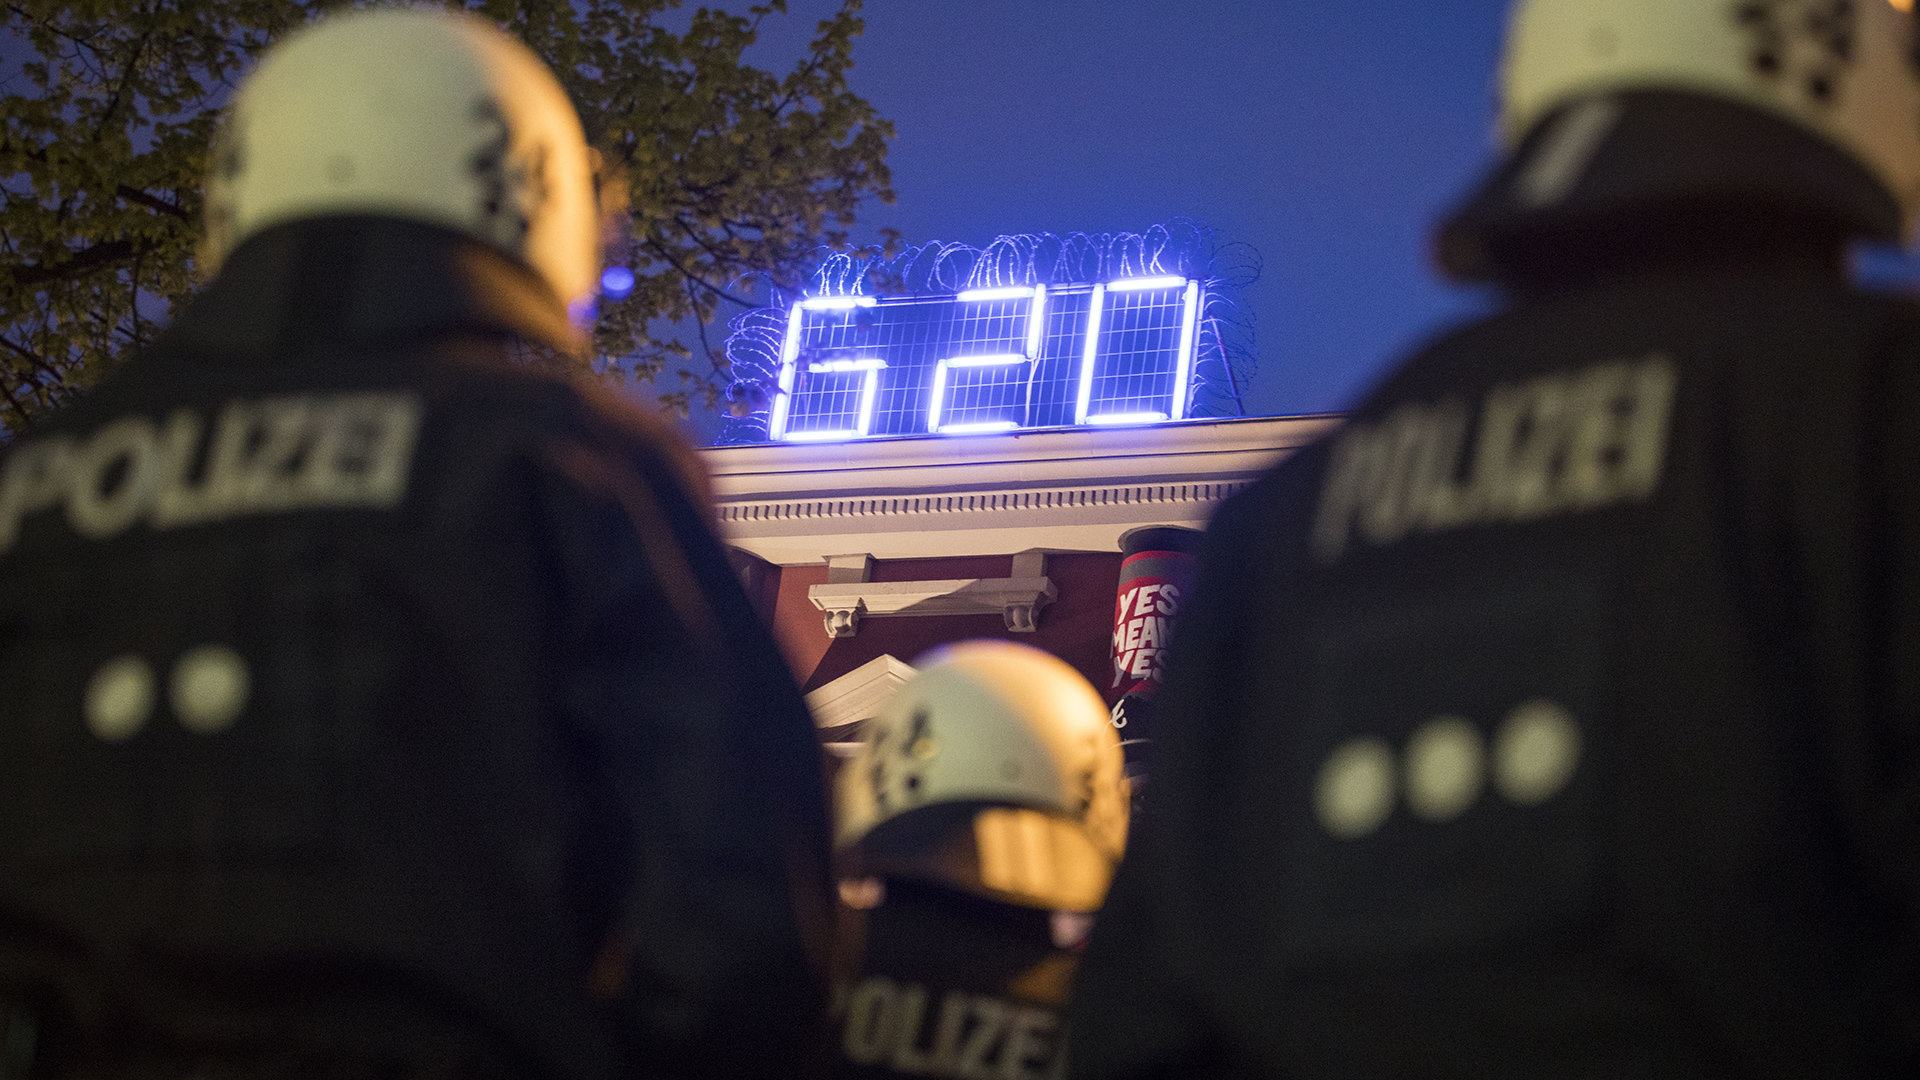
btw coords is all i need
(997, 359)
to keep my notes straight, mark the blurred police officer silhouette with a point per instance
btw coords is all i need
(1559, 714)
(376, 705)
(982, 818)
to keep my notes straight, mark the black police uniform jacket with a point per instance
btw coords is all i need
(1556, 716)
(369, 696)
(943, 984)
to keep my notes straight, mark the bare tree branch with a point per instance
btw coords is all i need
(152, 202)
(84, 261)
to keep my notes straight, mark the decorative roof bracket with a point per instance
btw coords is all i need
(1017, 599)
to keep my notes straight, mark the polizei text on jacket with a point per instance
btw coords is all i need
(269, 455)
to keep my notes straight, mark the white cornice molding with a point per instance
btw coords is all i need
(858, 694)
(1017, 600)
(926, 497)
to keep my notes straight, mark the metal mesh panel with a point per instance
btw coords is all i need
(1137, 354)
(1056, 373)
(834, 398)
(990, 360)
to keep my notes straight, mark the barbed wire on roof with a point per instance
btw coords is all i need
(1224, 352)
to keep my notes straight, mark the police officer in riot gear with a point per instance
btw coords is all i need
(1559, 715)
(375, 705)
(984, 812)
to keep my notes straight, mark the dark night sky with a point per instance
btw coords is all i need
(1327, 134)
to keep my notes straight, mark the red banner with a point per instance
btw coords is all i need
(1156, 569)
(1151, 583)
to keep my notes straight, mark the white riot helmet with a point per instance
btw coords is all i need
(1584, 84)
(423, 115)
(995, 770)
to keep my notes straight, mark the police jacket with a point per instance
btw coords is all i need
(1559, 714)
(940, 983)
(370, 696)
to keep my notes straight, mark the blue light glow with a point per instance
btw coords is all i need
(1034, 331)
(1036, 321)
(986, 360)
(867, 364)
(616, 282)
(868, 386)
(789, 352)
(837, 303)
(938, 401)
(1011, 292)
(1128, 418)
(1136, 284)
(1181, 391)
(1090, 355)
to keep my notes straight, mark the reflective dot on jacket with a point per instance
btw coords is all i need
(1446, 768)
(119, 698)
(210, 688)
(1354, 792)
(1536, 752)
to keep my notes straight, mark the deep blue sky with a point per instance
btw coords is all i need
(1327, 134)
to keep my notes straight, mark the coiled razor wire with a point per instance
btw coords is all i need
(1224, 349)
